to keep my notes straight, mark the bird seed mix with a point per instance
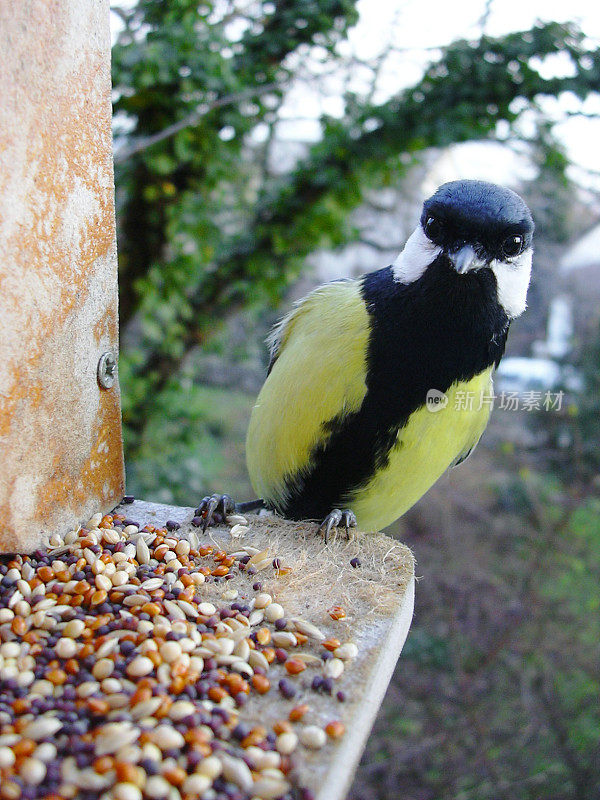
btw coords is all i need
(120, 679)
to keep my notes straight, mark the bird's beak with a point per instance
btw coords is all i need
(465, 259)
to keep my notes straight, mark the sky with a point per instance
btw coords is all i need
(416, 28)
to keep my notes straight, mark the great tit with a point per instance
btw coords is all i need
(377, 385)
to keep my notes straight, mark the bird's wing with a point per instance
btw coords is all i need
(317, 373)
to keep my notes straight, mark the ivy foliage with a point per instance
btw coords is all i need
(204, 226)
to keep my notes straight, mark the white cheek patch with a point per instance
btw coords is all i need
(513, 281)
(419, 252)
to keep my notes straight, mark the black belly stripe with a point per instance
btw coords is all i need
(440, 329)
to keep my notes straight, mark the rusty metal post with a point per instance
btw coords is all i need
(61, 455)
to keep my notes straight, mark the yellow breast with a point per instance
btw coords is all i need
(425, 448)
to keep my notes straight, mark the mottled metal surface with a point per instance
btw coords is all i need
(60, 433)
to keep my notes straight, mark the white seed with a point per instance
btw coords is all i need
(188, 609)
(145, 626)
(182, 548)
(210, 766)
(135, 600)
(106, 648)
(267, 788)
(98, 567)
(196, 784)
(6, 615)
(197, 664)
(346, 651)
(170, 651)
(173, 610)
(87, 688)
(152, 583)
(146, 708)
(242, 649)
(207, 609)
(226, 645)
(237, 771)
(187, 644)
(109, 569)
(273, 612)
(130, 550)
(156, 787)
(140, 666)
(102, 582)
(126, 791)
(262, 600)
(27, 571)
(111, 685)
(43, 688)
(334, 667)
(269, 761)
(284, 639)
(94, 521)
(257, 659)
(25, 678)
(236, 519)
(74, 628)
(197, 578)
(239, 531)
(22, 608)
(313, 737)
(120, 578)
(142, 552)
(117, 700)
(10, 649)
(286, 743)
(66, 647)
(129, 530)
(308, 658)
(308, 629)
(33, 771)
(104, 667)
(167, 738)
(42, 728)
(7, 757)
(256, 617)
(181, 709)
(113, 736)
(46, 752)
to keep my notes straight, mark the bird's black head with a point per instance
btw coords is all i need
(474, 225)
(491, 219)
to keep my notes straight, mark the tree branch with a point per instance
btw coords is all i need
(192, 119)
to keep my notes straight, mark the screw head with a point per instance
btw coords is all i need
(107, 369)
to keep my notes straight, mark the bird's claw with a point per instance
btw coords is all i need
(337, 517)
(213, 506)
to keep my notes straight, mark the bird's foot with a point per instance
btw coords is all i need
(335, 519)
(214, 508)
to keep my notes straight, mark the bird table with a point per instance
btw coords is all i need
(139, 655)
(358, 594)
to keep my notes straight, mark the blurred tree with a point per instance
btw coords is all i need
(204, 226)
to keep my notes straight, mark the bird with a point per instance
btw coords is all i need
(361, 410)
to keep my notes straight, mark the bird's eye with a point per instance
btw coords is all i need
(512, 246)
(433, 227)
